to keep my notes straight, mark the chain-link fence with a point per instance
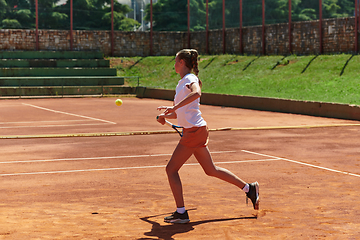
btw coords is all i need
(166, 15)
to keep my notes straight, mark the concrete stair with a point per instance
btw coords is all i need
(55, 72)
(54, 63)
(23, 72)
(50, 55)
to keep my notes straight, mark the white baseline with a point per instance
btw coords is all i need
(71, 114)
(302, 163)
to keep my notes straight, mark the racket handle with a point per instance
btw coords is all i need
(168, 123)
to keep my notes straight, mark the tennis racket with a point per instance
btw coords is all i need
(178, 129)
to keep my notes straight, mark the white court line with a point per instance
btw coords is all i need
(123, 168)
(81, 170)
(71, 114)
(270, 158)
(44, 122)
(63, 125)
(54, 121)
(305, 164)
(100, 158)
(100, 169)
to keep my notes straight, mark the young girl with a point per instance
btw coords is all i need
(195, 136)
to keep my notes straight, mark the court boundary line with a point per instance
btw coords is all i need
(114, 169)
(61, 123)
(269, 158)
(47, 121)
(123, 168)
(66, 113)
(305, 164)
(130, 133)
(101, 158)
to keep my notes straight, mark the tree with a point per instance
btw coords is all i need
(198, 15)
(3, 7)
(49, 18)
(171, 15)
(309, 9)
(168, 15)
(88, 14)
(96, 14)
(336, 8)
(121, 22)
(215, 14)
(15, 14)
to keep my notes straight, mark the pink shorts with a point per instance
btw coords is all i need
(195, 137)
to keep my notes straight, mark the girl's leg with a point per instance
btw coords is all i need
(203, 156)
(180, 155)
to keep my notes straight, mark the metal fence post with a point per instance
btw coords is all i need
(224, 28)
(188, 22)
(151, 27)
(263, 27)
(112, 28)
(19, 88)
(320, 27)
(207, 26)
(241, 25)
(71, 25)
(37, 24)
(102, 88)
(356, 27)
(290, 40)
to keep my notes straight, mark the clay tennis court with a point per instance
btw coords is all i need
(68, 171)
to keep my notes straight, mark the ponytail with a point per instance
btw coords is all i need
(190, 57)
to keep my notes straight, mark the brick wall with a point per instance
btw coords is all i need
(338, 36)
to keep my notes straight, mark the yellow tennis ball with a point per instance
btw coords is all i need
(118, 102)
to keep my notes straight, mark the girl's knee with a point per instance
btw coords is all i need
(167, 169)
(213, 172)
(170, 171)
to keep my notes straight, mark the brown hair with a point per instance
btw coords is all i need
(190, 57)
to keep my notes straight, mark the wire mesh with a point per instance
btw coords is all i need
(168, 15)
(16, 16)
(197, 15)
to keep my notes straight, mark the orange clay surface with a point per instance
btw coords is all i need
(115, 187)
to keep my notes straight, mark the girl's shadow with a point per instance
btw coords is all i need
(167, 231)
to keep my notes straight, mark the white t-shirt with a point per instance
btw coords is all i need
(189, 115)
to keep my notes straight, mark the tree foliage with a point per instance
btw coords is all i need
(15, 14)
(168, 15)
(87, 14)
(171, 15)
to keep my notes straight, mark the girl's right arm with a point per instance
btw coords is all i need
(161, 117)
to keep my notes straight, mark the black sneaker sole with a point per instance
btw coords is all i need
(180, 221)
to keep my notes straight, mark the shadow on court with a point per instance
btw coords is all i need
(167, 231)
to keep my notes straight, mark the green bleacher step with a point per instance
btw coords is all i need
(51, 55)
(60, 81)
(61, 63)
(22, 72)
(56, 91)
